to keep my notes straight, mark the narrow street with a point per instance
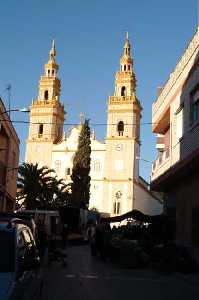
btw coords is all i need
(86, 278)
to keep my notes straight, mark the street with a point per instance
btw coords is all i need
(88, 278)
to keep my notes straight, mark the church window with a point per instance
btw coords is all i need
(96, 165)
(120, 128)
(119, 165)
(123, 91)
(46, 95)
(53, 72)
(129, 67)
(116, 208)
(124, 67)
(57, 166)
(48, 72)
(37, 148)
(41, 129)
(68, 171)
(117, 204)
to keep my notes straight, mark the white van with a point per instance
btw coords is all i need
(51, 220)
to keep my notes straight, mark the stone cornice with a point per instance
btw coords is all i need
(124, 100)
(117, 180)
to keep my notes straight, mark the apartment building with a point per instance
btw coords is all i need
(175, 118)
(9, 158)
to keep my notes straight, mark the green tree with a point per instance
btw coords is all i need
(81, 168)
(57, 194)
(37, 188)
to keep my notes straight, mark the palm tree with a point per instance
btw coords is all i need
(57, 194)
(32, 184)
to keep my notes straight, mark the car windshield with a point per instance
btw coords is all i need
(7, 253)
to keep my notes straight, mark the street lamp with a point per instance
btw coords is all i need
(139, 158)
(24, 109)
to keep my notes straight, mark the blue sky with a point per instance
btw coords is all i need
(89, 37)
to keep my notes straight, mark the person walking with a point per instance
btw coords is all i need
(92, 238)
(64, 235)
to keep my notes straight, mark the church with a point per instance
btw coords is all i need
(116, 186)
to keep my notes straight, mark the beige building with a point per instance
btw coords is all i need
(175, 118)
(116, 186)
(9, 158)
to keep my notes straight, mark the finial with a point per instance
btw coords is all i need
(127, 35)
(82, 117)
(53, 50)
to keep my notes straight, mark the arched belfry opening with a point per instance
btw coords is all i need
(120, 128)
(123, 91)
(46, 95)
(41, 129)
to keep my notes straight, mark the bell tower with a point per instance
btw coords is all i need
(46, 115)
(122, 138)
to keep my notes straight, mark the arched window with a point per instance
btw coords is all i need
(96, 165)
(46, 95)
(41, 129)
(123, 91)
(120, 128)
(57, 166)
(124, 67)
(117, 203)
(48, 72)
(68, 171)
(53, 72)
(129, 67)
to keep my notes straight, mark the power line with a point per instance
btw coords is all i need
(74, 124)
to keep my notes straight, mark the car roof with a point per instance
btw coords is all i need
(10, 224)
(4, 227)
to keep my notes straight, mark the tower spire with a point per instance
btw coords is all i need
(52, 53)
(52, 67)
(127, 47)
(125, 81)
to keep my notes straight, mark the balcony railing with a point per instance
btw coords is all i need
(161, 164)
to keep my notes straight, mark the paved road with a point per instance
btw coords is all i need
(86, 278)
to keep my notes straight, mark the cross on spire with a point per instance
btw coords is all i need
(82, 117)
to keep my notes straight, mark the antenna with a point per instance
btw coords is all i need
(8, 89)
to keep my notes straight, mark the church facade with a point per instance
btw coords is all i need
(116, 186)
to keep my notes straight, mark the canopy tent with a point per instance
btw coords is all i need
(137, 216)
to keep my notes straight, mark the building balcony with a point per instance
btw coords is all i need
(161, 164)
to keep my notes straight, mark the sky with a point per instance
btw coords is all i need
(89, 37)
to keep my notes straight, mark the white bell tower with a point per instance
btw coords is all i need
(122, 139)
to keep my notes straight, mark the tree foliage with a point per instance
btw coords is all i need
(81, 168)
(38, 188)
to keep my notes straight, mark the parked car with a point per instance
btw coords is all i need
(19, 260)
(26, 218)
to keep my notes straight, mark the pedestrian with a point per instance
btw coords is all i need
(41, 238)
(64, 235)
(92, 238)
(100, 240)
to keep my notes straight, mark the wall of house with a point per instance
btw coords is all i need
(145, 202)
(9, 158)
